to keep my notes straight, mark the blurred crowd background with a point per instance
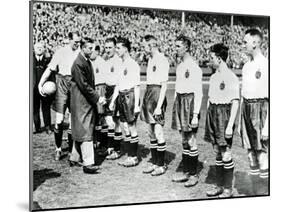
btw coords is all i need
(52, 23)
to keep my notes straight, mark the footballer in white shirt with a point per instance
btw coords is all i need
(187, 103)
(223, 103)
(127, 90)
(254, 111)
(154, 105)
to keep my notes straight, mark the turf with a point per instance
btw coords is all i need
(56, 185)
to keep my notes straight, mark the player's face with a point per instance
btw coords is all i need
(120, 50)
(180, 48)
(109, 49)
(39, 49)
(88, 49)
(75, 43)
(248, 44)
(215, 62)
(146, 47)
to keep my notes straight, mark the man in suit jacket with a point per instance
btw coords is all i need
(40, 63)
(83, 102)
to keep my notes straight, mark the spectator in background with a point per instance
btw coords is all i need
(40, 63)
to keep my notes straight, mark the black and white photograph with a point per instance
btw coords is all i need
(137, 105)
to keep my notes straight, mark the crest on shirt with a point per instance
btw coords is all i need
(97, 70)
(258, 74)
(186, 73)
(154, 68)
(222, 85)
(112, 69)
(125, 72)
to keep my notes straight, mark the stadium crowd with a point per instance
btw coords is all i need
(53, 22)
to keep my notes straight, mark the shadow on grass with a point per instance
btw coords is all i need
(211, 176)
(40, 176)
(199, 167)
(241, 181)
(144, 152)
(99, 159)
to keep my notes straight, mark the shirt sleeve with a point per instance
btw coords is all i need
(55, 60)
(78, 75)
(137, 77)
(197, 89)
(164, 68)
(235, 88)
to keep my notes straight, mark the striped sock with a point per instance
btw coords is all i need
(219, 172)
(103, 141)
(228, 167)
(193, 161)
(161, 148)
(110, 138)
(186, 160)
(98, 133)
(117, 141)
(153, 150)
(263, 185)
(254, 175)
(264, 173)
(134, 145)
(126, 144)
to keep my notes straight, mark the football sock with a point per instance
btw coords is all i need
(70, 141)
(98, 133)
(153, 150)
(161, 148)
(193, 161)
(134, 145)
(126, 144)
(255, 175)
(228, 168)
(104, 141)
(263, 182)
(58, 135)
(219, 172)
(185, 160)
(117, 141)
(110, 138)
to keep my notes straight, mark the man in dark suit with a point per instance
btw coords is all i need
(40, 63)
(83, 102)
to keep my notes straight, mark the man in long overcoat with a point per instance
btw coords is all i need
(84, 98)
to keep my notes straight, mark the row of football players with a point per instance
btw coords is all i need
(115, 105)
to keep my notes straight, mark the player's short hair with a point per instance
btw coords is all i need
(254, 32)
(151, 39)
(148, 38)
(70, 34)
(220, 50)
(86, 40)
(125, 42)
(110, 40)
(97, 48)
(185, 40)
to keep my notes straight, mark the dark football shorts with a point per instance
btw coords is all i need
(216, 122)
(149, 104)
(109, 90)
(125, 105)
(183, 112)
(101, 90)
(62, 95)
(254, 112)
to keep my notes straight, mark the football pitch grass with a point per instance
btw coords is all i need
(56, 185)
